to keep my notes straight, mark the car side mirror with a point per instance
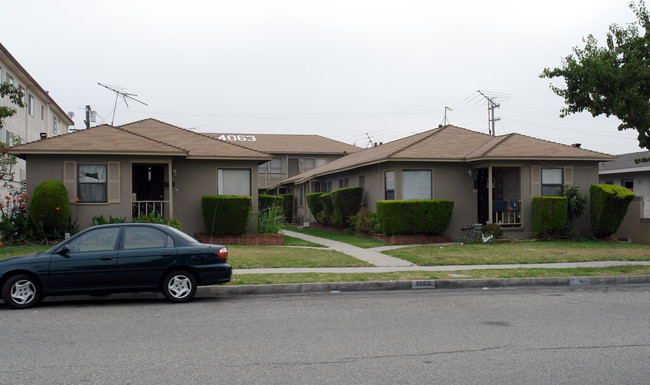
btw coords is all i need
(65, 250)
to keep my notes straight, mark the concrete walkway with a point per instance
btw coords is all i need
(385, 263)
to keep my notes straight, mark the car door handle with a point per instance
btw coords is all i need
(106, 258)
(167, 255)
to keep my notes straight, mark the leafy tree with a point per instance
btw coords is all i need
(611, 80)
(16, 97)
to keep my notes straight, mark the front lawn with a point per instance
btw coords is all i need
(252, 257)
(521, 252)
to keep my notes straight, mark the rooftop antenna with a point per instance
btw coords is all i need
(370, 142)
(492, 99)
(445, 121)
(124, 95)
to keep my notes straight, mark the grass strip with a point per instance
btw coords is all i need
(266, 279)
(291, 241)
(521, 252)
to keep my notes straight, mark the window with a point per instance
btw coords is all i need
(551, 182)
(137, 237)
(308, 164)
(91, 183)
(326, 187)
(628, 183)
(263, 168)
(234, 182)
(96, 240)
(389, 183)
(416, 184)
(42, 112)
(30, 105)
(55, 122)
(10, 79)
(276, 165)
(320, 162)
(22, 91)
(345, 182)
(609, 181)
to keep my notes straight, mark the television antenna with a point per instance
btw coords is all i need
(445, 121)
(120, 93)
(493, 100)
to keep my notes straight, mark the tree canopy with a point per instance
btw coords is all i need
(611, 80)
(15, 95)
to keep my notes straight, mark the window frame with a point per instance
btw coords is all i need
(558, 186)
(30, 105)
(389, 194)
(221, 182)
(406, 171)
(80, 184)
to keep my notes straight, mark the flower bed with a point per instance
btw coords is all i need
(244, 239)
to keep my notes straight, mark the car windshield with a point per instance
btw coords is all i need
(182, 235)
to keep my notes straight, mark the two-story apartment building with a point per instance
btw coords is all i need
(41, 117)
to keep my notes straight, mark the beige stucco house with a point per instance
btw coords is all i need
(141, 167)
(41, 117)
(491, 179)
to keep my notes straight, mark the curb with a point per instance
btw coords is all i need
(329, 287)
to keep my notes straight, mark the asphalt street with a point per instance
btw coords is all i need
(541, 335)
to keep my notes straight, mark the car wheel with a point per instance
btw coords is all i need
(179, 286)
(21, 291)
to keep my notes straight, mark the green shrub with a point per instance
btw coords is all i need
(264, 201)
(315, 204)
(345, 203)
(365, 221)
(492, 229)
(270, 220)
(549, 217)
(49, 204)
(416, 216)
(608, 206)
(154, 217)
(287, 203)
(225, 214)
(100, 220)
(576, 201)
(324, 218)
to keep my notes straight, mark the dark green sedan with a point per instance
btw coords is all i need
(126, 257)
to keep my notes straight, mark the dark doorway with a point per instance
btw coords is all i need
(149, 182)
(483, 196)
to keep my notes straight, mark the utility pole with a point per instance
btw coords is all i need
(87, 121)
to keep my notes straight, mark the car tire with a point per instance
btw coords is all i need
(21, 291)
(179, 286)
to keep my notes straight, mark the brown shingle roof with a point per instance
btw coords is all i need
(289, 143)
(451, 143)
(146, 137)
(102, 139)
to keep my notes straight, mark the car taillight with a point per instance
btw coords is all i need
(223, 253)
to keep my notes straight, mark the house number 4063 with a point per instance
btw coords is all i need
(237, 138)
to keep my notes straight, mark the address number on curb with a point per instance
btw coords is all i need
(424, 284)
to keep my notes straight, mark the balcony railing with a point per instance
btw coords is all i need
(506, 212)
(266, 179)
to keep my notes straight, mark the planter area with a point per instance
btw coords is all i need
(244, 239)
(407, 239)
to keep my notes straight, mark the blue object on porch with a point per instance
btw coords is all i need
(513, 205)
(499, 206)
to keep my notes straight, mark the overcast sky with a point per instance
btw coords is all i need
(341, 69)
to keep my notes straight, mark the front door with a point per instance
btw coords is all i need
(148, 184)
(483, 196)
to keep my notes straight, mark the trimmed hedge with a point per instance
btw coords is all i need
(345, 203)
(49, 204)
(265, 201)
(549, 216)
(414, 216)
(225, 214)
(314, 203)
(609, 204)
(287, 204)
(328, 209)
